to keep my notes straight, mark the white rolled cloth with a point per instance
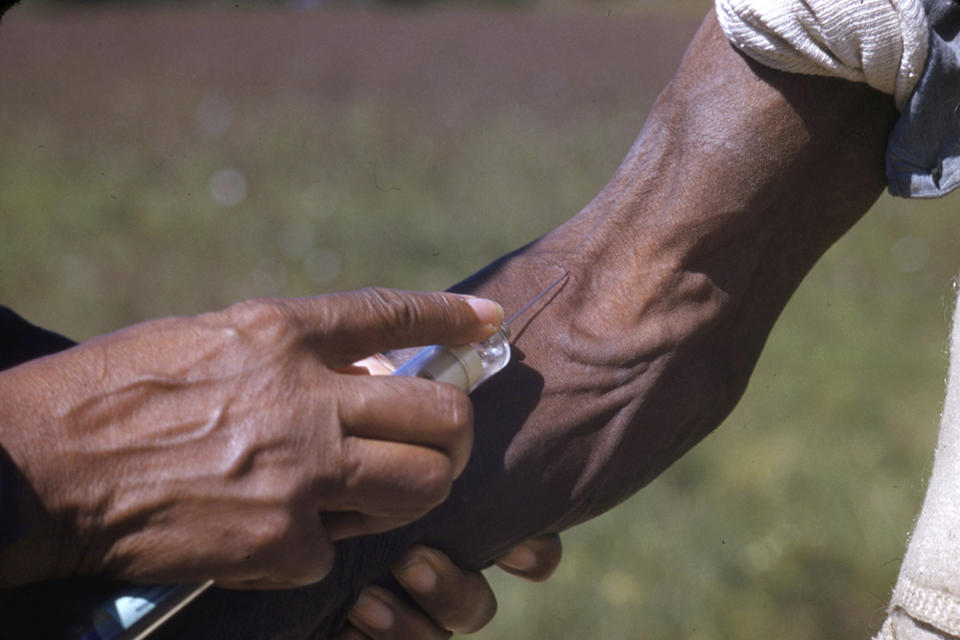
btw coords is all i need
(880, 42)
(926, 601)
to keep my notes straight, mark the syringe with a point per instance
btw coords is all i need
(139, 610)
(136, 611)
(468, 366)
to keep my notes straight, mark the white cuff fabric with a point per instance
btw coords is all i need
(900, 626)
(926, 600)
(880, 42)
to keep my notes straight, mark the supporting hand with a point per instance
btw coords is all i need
(453, 600)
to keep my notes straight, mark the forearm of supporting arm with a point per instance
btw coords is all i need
(741, 178)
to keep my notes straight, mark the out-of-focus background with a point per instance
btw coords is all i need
(170, 159)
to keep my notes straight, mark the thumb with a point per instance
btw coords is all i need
(349, 326)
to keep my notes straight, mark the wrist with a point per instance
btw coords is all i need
(32, 536)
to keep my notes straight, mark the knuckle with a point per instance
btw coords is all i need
(398, 312)
(458, 426)
(318, 563)
(270, 317)
(434, 481)
(404, 312)
(457, 408)
(296, 549)
(345, 467)
(278, 531)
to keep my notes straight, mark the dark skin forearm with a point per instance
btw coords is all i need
(741, 178)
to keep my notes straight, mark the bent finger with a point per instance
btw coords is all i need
(380, 615)
(408, 410)
(535, 560)
(383, 485)
(455, 599)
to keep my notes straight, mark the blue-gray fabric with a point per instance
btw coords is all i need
(923, 151)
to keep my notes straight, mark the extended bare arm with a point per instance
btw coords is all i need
(741, 178)
(739, 181)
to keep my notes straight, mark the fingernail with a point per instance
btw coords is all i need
(488, 311)
(417, 574)
(521, 558)
(371, 612)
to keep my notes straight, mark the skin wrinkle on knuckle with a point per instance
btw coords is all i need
(279, 532)
(407, 313)
(393, 315)
(361, 402)
(349, 402)
(455, 413)
(292, 549)
(413, 487)
(454, 426)
(348, 466)
(273, 322)
(448, 315)
(434, 481)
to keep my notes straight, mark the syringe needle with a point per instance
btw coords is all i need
(534, 299)
(468, 365)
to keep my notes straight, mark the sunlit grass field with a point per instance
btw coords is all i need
(170, 161)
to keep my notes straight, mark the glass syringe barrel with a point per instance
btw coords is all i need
(468, 366)
(464, 366)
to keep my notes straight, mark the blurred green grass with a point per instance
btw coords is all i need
(169, 161)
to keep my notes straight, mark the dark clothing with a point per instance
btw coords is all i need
(21, 341)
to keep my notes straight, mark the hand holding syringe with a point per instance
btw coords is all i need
(138, 610)
(468, 366)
